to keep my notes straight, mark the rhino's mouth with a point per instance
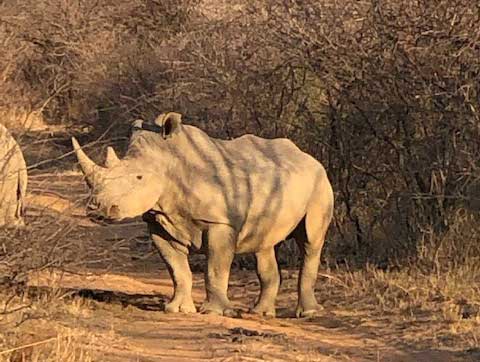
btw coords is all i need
(101, 219)
(97, 217)
(104, 215)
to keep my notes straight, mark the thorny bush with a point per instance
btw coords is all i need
(384, 93)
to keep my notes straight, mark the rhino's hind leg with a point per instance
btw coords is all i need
(221, 248)
(177, 263)
(267, 270)
(307, 304)
(310, 238)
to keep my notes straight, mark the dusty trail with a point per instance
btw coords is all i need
(131, 307)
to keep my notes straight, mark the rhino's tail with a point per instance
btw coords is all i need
(21, 194)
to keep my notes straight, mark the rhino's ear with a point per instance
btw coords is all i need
(137, 124)
(170, 122)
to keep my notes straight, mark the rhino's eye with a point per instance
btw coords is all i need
(139, 177)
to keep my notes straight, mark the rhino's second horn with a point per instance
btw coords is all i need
(112, 158)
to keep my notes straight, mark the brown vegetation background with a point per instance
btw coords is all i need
(384, 93)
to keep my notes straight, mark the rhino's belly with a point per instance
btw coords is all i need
(267, 225)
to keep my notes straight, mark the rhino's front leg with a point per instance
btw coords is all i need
(179, 269)
(221, 249)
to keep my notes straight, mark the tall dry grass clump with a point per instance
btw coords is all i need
(45, 243)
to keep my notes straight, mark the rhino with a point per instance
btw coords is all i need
(13, 181)
(220, 197)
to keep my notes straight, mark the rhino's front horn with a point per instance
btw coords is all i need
(112, 158)
(89, 168)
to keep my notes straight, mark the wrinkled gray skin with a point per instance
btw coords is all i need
(224, 197)
(13, 181)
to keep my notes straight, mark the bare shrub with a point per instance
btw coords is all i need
(69, 61)
(39, 246)
(385, 94)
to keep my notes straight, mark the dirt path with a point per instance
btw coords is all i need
(130, 308)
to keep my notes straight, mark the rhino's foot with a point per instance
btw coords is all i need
(267, 311)
(180, 306)
(308, 311)
(219, 309)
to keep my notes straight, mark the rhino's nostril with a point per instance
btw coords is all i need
(92, 206)
(114, 211)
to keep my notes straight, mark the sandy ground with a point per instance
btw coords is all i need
(130, 307)
(126, 302)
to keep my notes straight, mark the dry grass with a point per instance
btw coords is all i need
(440, 310)
(35, 332)
(396, 310)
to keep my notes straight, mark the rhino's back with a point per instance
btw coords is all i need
(253, 152)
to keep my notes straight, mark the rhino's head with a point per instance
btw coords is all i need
(128, 187)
